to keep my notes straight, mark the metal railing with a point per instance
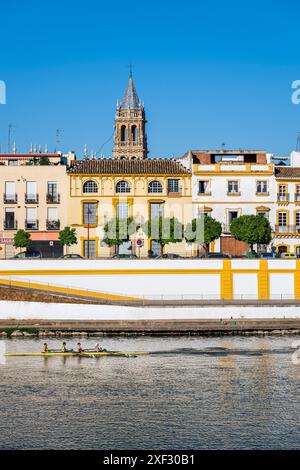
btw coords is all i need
(53, 198)
(53, 224)
(31, 224)
(283, 197)
(10, 198)
(10, 225)
(31, 198)
(295, 229)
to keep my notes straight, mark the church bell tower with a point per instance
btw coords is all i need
(130, 140)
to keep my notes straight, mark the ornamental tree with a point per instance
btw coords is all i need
(22, 239)
(67, 236)
(203, 230)
(251, 229)
(118, 230)
(164, 230)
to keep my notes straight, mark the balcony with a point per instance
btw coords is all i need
(10, 225)
(10, 198)
(204, 193)
(53, 198)
(283, 197)
(291, 229)
(233, 193)
(262, 193)
(31, 198)
(53, 224)
(31, 224)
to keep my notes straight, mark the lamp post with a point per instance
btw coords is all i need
(88, 231)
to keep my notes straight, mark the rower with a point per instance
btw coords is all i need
(80, 350)
(45, 349)
(64, 347)
(97, 347)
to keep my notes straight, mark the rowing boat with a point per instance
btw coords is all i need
(77, 354)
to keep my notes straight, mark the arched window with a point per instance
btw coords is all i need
(123, 134)
(155, 187)
(134, 134)
(90, 187)
(122, 187)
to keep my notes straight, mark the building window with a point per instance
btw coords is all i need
(233, 187)
(90, 187)
(123, 187)
(297, 222)
(90, 213)
(297, 193)
(52, 196)
(155, 187)
(10, 221)
(263, 214)
(282, 221)
(261, 187)
(282, 193)
(89, 248)
(203, 187)
(12, 162)
(10, 192)
(173, 186)
(156, 210)
(31, 219)
(123, 134)
(31, 196)
(122, 210)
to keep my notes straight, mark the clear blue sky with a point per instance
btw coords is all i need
(208, 72)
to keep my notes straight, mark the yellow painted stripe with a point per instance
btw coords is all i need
(226, 281)
(263, 284)
(66, 290)
(297, 280)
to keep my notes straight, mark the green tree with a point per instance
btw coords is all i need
(251, 229)
(44, 160)
(68, 237)
(164, 230)
(117, 231)
(203, 231)
(22, 239)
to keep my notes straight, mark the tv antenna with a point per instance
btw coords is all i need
(298, 142)
(57, 140)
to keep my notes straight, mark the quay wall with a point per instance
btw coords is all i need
(153, 279)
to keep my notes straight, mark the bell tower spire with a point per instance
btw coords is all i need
(130, 140)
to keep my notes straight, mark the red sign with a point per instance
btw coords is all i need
(6, 241)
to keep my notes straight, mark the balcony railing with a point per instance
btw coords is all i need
(31, 198)
(233, 193)
(10, 198)
(10, 225)
(295, 229)
(53, 198)
(173, 191)
(283, 197)
(204, 193)
(31, 224)
(53, 224)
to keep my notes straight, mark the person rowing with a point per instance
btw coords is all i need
(45, 348)
(80, 350)
(64, 347)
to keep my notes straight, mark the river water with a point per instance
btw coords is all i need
(192, 393)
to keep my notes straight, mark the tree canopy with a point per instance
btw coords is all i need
(251, 229)
(164, 230)
(22, 239)
(67, 236)
(203, 230)
(118, 231)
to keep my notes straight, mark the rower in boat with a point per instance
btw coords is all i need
(64, 347)
(80, 350)
(45, 348)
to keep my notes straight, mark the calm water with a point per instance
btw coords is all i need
(201, 393)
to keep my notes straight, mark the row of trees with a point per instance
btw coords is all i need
(252, 229)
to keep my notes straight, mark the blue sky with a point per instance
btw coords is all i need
(208, 72)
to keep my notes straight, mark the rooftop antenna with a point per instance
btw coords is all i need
(10, 128)
(85, 154)
(57, 140)
(223, 146)
(298, 142)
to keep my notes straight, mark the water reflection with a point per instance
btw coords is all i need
(192, 392)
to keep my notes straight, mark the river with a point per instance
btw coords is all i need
(192, 393)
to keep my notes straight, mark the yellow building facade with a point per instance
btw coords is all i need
(107, 189)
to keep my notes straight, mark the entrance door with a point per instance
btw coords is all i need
(282, 249)
(9, 222)
(298, 251)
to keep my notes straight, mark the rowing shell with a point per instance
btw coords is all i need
(83, 354)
